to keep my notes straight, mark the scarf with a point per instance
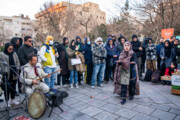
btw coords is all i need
(168, 49)
(11, 60)
(125, 56)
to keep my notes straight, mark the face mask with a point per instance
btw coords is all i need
(51, 42)
(88, 42)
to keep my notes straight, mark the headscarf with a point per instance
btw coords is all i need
(11, 59)
(72, 46)
(125, 56)
(168, 49)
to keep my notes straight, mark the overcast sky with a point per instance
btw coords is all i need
(31, 7)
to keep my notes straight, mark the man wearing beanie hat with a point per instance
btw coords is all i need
(99, 55)
(48, 56)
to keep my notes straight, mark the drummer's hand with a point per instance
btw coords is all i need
(34, 82)
(49, 76)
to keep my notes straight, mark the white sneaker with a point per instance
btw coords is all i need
(92, 87)
(9, 103)
(13, 102)
(65, 85)
(71, 85)
(76, 85)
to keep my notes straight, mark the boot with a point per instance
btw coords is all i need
(131, 98)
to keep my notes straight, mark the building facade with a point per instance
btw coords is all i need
(85, 17)
(16, 26)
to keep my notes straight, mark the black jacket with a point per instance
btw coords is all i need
(23, 53)
(135, 47)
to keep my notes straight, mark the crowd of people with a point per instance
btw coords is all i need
(118, 59)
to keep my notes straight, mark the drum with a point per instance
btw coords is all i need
(36, 105)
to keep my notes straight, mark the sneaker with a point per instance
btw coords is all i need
(71, 85)
(123, 101)
(92, 87)
(13, 102)
(65, 85)
(76, 85)
(100, 85)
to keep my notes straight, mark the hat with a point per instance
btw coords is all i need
(48, 38)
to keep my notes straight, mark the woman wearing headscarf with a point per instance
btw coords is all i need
(11, 58)
(126, 79)
(167, 55)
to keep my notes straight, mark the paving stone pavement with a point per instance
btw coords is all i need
(155, 102)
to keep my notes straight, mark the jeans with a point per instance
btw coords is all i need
(73, 75)
(98, 72)
(50, 81)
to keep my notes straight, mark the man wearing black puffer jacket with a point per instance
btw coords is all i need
(137, 48)
(25, 50)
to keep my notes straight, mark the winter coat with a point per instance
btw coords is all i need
(23, 53)
(16, 47)
(151, 52)
(71, 55)
(88, 54)
(99, 53)
(6, 59)
(110, 53)
(167, 60)
(135, 47)
(158, 48)
(62, 59)
(122, 79)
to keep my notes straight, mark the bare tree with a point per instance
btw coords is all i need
(55, 20)
(155, 15)
(5, 33)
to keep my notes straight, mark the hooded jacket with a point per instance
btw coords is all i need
(135, 46)
(16, 47)
(99, 52)
(111, 52)
(47, 54)
(119, 44)
(87, 53)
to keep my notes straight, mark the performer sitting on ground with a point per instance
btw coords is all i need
(30, 73)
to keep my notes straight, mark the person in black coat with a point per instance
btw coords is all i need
(137, 48)
(88, 60)
(25, 50)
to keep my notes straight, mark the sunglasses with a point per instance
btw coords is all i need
(30, 41)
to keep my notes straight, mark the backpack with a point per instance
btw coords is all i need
(155, 77)
(148, 75)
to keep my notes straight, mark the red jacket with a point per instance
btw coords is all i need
(167, 72)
